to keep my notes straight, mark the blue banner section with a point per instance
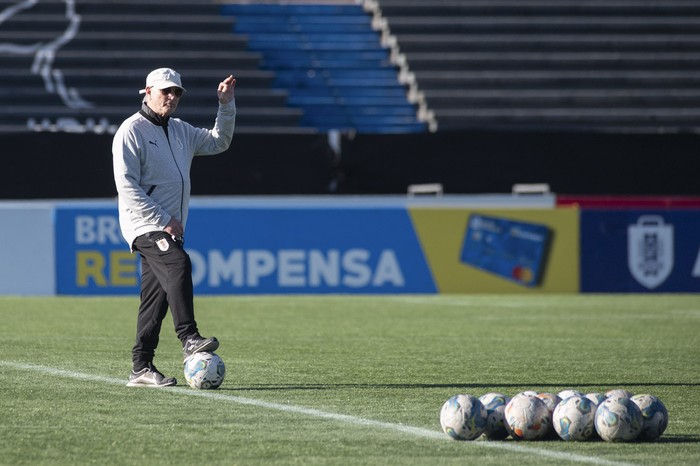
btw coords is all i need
(91, 255)
(254, 251)
(640, 251)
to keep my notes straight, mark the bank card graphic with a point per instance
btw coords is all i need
(513, 250)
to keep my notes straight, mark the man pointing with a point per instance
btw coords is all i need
(152, 156)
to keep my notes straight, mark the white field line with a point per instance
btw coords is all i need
(341, 418)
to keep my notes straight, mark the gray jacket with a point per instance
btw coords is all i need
(152, 170)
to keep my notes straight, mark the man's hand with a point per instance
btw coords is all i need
(225, 90)
(174, 228)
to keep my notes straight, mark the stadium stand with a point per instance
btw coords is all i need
(71, 65)
(600, 65)
(372, 65)
(93, 55)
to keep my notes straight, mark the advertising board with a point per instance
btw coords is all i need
(368, 248)
(638, 251)
(500, 250)
(26, 249)
(254, 250)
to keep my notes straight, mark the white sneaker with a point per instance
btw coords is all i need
(150, 377)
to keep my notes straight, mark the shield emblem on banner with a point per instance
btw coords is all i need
(650, 250)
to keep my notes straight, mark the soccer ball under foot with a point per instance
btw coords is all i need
(204, 371)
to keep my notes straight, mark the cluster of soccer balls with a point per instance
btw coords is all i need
(616, 416)
(204, 371)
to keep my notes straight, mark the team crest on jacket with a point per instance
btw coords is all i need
(650, 250)
(163, 244)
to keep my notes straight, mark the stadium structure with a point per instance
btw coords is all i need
(366, 97)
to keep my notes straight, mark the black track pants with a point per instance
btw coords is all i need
(166, 280)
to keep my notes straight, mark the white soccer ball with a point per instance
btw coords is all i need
(495, 404)
(619, 393)
(204, 370)
(527, 417)
(618, 419)
(551, 400)
(564, 394)
(463, 417)
(574, 418)
(654, 414)
(596, 398)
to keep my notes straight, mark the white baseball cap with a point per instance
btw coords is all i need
(163, 78)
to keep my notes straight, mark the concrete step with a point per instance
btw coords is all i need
(546, 98)
(504, 42)
(587, 61)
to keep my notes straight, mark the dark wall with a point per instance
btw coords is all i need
(56, 165)
(62, 165)
(491, 162)
(268, 164)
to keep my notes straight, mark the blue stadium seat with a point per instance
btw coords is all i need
(331, 62)
(309, 63)
(290, 9)
(246, 27)
(370, 54)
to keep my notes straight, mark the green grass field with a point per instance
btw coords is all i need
(339, 380)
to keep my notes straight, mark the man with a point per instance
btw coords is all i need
(152, 155)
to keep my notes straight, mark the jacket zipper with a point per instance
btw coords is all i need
(182, 178)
